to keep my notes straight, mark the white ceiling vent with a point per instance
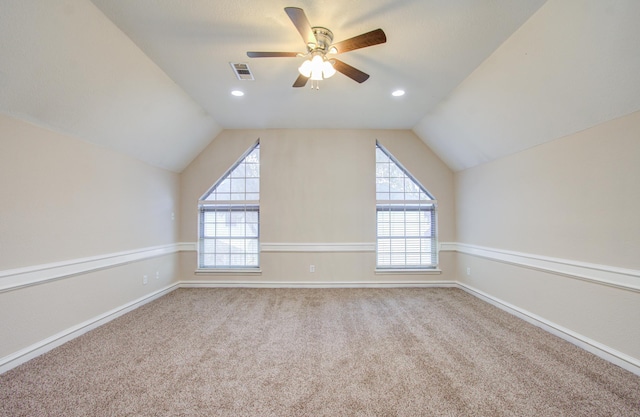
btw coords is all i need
(242, 71)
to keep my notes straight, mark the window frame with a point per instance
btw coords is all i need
(425, 205)
(214, 205)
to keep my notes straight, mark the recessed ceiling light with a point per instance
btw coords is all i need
(398, 93)
(237, 93)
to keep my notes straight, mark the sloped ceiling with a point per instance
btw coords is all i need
(66, 67)
(573, 65)
(483, 79)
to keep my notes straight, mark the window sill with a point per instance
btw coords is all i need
(234, 271)
(434, 271)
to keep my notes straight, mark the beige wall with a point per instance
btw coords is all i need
(576, 199)
(317, 186)
(64, 199)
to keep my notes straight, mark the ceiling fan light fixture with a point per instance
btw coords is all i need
(316, 75)
(305, 68)
(327, 69)
(317, 68)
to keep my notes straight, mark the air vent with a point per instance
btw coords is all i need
(242, 71)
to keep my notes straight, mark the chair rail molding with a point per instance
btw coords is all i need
(12, 279)
(623, 278)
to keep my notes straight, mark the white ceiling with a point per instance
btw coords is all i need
(573, 65)
(151, 78)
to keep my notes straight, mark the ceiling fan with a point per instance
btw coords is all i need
(319, 43)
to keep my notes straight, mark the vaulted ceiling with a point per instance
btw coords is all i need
(483, 79)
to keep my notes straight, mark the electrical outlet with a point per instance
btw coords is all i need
(173, 215)
(468, 270)
(312, 268)
(145, 280)
(157, 274)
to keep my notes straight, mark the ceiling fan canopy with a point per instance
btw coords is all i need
(319, 43)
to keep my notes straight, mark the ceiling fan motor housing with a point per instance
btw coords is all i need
(324, 38)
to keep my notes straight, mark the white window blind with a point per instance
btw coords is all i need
(405, 218)
(229, 220)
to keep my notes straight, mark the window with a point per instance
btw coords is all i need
(405, 218)
(229, 220)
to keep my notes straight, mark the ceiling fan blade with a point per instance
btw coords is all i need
(374, 37)
(301, 23)
(351, 72)
(272, 54)
(301, 81)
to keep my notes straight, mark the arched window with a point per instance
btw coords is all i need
(229, 219)
(405, 218)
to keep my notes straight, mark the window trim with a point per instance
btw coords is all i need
(251, 206)
(401, 205)
(205, 206)
(433, 214)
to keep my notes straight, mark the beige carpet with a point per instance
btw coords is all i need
(318, 352)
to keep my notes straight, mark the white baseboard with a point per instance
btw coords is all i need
(605, 352)
(315, 284)
(43, 346)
